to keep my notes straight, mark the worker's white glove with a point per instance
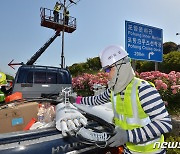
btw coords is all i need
(120, 138)
(68, 118)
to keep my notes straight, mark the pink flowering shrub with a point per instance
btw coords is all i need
(168, 85)
(83, 84)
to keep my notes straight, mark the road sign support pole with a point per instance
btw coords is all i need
(156, 66)
(134, 65)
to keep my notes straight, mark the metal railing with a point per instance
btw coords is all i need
(47, 15)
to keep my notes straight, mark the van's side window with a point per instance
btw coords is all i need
(51, 77)
(39, 77)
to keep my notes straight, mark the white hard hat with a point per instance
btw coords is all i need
(111, 55)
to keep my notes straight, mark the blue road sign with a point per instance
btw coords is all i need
(143, 42)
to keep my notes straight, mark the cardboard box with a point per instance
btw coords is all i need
(16, 118)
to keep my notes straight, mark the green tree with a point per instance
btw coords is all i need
(78, 68)
(94, 63)
(171, 61)
(144, 66)
(169, 46)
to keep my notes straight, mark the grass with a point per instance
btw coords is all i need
(172, 138)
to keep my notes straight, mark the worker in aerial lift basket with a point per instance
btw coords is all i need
(140, 115)
(66, 14)
(57, 8)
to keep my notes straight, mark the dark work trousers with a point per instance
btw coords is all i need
(56, 16)
(66, 20)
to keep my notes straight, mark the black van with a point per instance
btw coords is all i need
(35, 81)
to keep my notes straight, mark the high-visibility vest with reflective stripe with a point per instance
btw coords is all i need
(129, 114)
(67, 13)
(57, 8)
(2, 96)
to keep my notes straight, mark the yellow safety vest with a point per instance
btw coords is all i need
(3, 78)
(67, 13)
(129, 114)
(57, 8)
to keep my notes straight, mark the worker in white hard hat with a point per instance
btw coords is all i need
(3, 83)
(140, 115)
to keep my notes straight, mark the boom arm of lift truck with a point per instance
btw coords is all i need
(42, 49)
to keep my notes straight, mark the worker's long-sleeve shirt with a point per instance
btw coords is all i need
(153, 106)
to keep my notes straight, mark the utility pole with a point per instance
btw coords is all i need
(65, 29)
(62, 53)
(178, 46)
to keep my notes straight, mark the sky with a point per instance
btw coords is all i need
(100, 23)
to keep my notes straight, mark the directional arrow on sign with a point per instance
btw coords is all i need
(149, 55)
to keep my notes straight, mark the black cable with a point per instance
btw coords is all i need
(117, 76)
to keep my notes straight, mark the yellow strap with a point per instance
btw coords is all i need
(127, 100)
(119, 105)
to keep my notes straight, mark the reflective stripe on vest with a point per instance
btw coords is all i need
(129, 114)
